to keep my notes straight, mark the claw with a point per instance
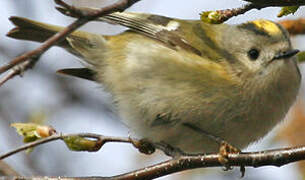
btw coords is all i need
(226, 149)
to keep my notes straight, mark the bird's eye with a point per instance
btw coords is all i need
(253, 54)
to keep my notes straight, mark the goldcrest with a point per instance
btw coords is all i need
(172, 79)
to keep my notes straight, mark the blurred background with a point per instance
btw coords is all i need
(74, 105)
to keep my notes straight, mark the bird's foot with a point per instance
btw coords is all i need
(144, 146)
(226, 149)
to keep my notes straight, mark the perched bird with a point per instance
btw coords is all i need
(182, 82)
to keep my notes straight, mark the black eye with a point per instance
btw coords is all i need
(253, 54)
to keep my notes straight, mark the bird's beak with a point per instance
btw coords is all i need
(286, 54)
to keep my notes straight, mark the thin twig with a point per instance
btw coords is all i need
(229, 13)
(220, 16)
(19, 69)
(31, 145)
(278, 2)
(91, 15)
(103, 139)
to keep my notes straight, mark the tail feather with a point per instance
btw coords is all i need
(83, 73)
(83, 44)
(27, 29)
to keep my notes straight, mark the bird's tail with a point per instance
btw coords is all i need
(82, 44)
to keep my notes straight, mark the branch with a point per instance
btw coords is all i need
(84, 17)
(19, 69)
(80, 142)
(220, 16)
(276, 157)
(100, 141)
(278, 2)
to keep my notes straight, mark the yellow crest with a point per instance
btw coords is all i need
(269, 27)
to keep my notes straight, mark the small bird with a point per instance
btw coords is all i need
(181, 82)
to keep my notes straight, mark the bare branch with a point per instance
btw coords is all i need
(91, 15)
(19, 69)
(220, 16)
(228, 13)
(102, 140)
(277, 2)
(276, 157)
(31, 145)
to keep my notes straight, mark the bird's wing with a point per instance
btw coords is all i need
(161, 28)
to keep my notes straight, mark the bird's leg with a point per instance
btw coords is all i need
(171, 150)
(147, 147)
(224, 147)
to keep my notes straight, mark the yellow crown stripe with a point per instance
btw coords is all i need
(267, 26)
